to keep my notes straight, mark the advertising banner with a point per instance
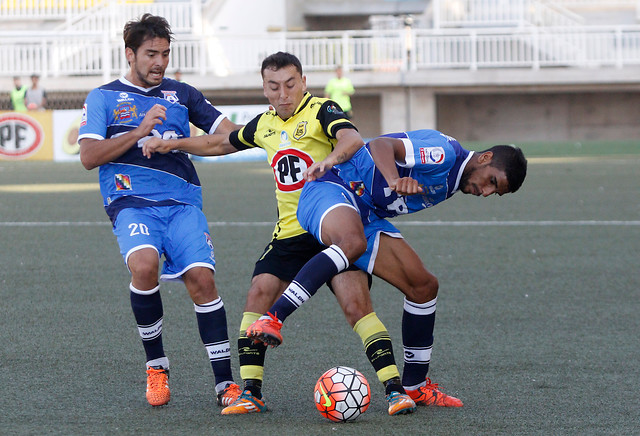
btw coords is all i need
(26, 135)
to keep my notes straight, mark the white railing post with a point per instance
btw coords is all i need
(473, 38)
(436, 13)
(106, 58)
(346, 59)
(535, 47)
(618, 39)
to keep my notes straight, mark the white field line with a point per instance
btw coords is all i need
(532, 223)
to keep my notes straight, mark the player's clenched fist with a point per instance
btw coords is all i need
(153, 117)
(406, 186)
(156, 145)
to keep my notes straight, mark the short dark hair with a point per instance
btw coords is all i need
(280, 60)
(146, 27)
(510, 159)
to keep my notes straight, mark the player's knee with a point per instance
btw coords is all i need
(354, 311)
(260, 296)
(424, 289)
(201, 285)
(144, 270)
(353, 246)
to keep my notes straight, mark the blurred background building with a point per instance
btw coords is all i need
(481, 70)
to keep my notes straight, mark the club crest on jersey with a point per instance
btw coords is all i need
(431, 155)
(301, 130)
(125, 112)
(170, 96)
(357, 188)
(123, 182)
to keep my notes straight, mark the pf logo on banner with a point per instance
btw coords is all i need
(20, 136)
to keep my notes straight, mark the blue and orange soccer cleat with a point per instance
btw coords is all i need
(245, 403)
(431, 395)
(229, 394)
(158, 393)
(266, 330)
(400, 404)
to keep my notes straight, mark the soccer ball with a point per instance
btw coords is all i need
(342, 394)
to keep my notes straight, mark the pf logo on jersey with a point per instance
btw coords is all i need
(288, 166)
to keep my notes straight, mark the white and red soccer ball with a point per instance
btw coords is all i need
(342, 394)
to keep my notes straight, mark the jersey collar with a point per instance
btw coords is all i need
(457, 170)
(305, 100)
(126, 82)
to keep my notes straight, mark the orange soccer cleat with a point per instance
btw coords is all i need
(158, 393)
(266, 330)
(431, 395)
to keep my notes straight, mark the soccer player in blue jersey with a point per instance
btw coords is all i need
(347, 209)
(155, 204)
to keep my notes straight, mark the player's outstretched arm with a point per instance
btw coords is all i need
(349, 141)
(216, 144)
(96, 152)
(386, 152)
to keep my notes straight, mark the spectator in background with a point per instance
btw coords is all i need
(340, 89)
(36, 97)
(178, 76)
(17, 95)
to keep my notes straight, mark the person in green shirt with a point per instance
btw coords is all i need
(17, 95)
(340, 89)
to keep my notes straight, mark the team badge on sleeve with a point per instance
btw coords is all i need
(123, 182)
(431, 155)
(83, 120)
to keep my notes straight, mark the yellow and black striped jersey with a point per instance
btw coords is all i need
(292, 145)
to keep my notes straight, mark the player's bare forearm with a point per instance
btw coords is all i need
(96, 152)
(349, 142)
(385, 153)
(204, 145)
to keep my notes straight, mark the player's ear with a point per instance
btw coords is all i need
(129, 54)
(485, 158)
(304, 83)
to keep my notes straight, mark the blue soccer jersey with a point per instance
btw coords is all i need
(132, 180)
(434, 159)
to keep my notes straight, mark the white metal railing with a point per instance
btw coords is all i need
(602, 4)
(44, 9)
(403, 50)
(102, 15)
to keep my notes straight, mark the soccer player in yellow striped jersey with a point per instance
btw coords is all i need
(299, 133)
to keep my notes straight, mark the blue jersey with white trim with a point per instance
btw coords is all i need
(132, 180)
(434, 159)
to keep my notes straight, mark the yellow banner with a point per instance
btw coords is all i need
(26, 135)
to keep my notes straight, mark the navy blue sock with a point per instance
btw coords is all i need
(318, 270)
(147, 309)
(417, 338)
(212, 324)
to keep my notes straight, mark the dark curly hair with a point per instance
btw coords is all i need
(146, 27)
